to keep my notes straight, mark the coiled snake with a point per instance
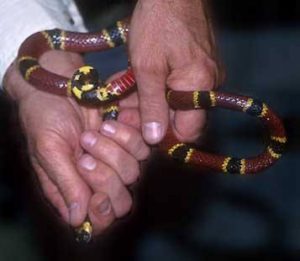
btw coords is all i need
(86, 87)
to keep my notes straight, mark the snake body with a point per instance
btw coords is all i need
(86, 87)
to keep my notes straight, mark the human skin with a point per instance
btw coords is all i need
(60, 135)
(171, 45)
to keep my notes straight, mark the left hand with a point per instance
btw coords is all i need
(53, 126)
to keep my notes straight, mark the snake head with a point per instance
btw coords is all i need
(84, 80)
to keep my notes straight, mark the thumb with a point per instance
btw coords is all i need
(153, 104)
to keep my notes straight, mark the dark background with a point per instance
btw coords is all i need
(180, 213)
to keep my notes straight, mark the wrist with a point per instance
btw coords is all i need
(186, 11)
(173, 3)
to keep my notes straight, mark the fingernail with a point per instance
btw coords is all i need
(105, 207)
(88, 162)
(108, 129)
(74, 210)
(89, 139)
(152, 132)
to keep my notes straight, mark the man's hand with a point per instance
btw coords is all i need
(171, 44)
(60, 134)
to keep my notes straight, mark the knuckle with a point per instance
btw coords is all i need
(198, 73)
(103, 178)
(147, 66)
(207, 75)
(131, 173)
(108, 150)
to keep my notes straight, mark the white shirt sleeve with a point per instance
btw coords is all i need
(21, 18)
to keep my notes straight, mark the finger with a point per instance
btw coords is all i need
(184, 130)
(198, 76)
(51, 191)
(130, 117)
(153, 105)
(102, 178)
(127, 137)
(106, 150)
(56, 160)
(92, 121)
(100, 212)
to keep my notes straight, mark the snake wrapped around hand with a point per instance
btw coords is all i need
(85, 87)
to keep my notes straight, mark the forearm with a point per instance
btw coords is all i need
(19, 20)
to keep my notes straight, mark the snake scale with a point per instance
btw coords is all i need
(85, 87)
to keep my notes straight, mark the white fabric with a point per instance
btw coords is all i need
(21, 18)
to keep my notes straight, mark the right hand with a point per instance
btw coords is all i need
(54, 126)
(171, 44)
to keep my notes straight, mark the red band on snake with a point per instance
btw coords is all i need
(86, 87)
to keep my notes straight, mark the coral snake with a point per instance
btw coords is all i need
(86, 87)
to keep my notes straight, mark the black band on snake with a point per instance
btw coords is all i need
(86, 87)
